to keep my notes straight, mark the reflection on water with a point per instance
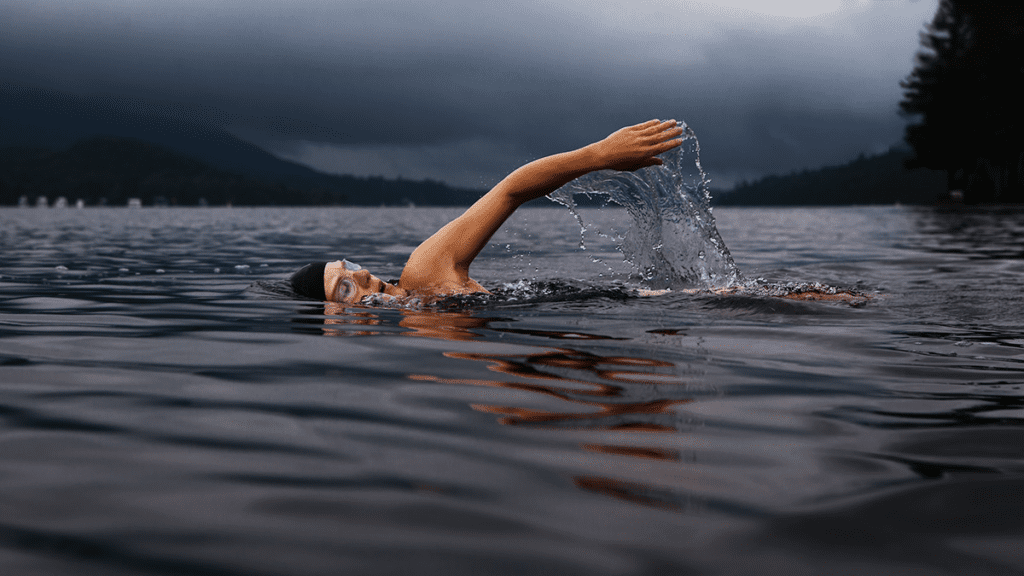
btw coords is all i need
(612, 393)
(580, 377)
(605, 406)
(590, 386)
(979, 232)
(339, 320)
(160, 415)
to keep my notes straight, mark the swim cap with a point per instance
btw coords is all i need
(309, 281)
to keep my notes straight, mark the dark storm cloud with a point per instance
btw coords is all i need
(288, 73)
(409, 81)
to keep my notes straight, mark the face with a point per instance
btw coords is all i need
(348, 283)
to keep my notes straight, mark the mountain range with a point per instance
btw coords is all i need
(105, 151)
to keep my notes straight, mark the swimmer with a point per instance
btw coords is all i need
(440, 265)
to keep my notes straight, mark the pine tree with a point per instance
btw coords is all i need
(964, 92)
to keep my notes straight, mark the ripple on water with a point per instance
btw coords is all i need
(186, 423)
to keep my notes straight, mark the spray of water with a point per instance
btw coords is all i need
(673, 241)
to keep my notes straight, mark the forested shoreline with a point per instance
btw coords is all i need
(879, 179)
(112, 171)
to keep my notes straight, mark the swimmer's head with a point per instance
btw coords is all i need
(309, 281)
(340, 281)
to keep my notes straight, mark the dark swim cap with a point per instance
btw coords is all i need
(309, 281)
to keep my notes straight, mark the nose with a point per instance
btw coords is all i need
(362, 277)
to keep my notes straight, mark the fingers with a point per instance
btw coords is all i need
(658, 130)
(659, 125)
(660, 148)
(655, 129)
(668, 145)
(652, 161)
(656, 124)
(671, 134)
(638, 146)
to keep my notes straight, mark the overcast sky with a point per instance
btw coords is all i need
(466, 90)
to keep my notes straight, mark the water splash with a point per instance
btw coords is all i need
(528, 292)
(673, 241)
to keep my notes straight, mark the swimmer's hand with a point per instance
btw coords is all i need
(635, 147)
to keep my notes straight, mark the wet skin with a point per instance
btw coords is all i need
(350, 287)
(440, 265)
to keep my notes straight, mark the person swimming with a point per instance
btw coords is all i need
(440, 265)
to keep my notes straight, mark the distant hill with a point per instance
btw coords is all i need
(880, 179)
(108, 170)
(60, 145)
(56, 121)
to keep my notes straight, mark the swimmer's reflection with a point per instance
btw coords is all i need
(615, 393)
(336, 317)
(606, 392)
(591, 383)
(453, 326)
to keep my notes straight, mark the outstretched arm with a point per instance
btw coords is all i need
(441, 263)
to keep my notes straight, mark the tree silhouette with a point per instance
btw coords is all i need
(965, 92)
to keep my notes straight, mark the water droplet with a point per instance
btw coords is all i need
(62, 268)
(159, 270)
(242, 267)
(670, 219)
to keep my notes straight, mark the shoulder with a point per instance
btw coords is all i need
(438, 280)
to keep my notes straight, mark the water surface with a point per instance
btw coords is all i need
(164, 411)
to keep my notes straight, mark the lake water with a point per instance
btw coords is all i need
(164, 411)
